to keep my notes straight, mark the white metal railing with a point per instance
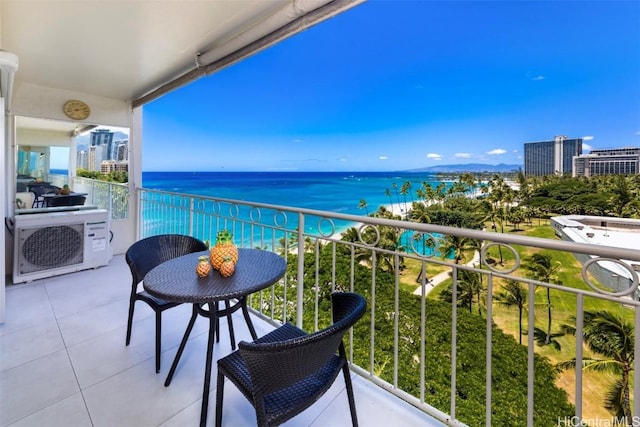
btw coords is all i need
(303, 236)
(111, 196)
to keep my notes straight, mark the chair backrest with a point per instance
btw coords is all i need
(278, 365)
(147, 253)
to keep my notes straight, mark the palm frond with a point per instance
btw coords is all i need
(614, 399)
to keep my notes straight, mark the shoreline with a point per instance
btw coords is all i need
(394, 208)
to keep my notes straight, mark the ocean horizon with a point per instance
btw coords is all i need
(339, 192)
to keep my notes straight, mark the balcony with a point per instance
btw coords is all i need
(63, 362)
(77, 365)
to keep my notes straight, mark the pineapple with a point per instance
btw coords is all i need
(203, 268)
(227, 267)
(224, 247)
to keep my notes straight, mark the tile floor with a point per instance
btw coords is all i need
(63, 362)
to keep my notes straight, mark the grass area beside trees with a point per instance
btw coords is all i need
(562, 348)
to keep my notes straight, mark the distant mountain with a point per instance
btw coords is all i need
(468, 167)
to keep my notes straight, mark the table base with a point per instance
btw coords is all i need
(213, 314)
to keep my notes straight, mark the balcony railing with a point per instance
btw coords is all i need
(400, 345)
(111, 196)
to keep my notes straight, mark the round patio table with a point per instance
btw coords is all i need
(176, 280)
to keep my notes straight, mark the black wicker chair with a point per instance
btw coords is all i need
(287, 370)
(40, 190)
(146, 254)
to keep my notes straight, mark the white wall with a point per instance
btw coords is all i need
(46, 103)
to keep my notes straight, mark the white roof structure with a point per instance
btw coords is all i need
(129, 49)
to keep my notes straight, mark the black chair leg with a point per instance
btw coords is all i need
(349, 387)
(219, 397)
(130, 320)
(187, 332)
(158, 339)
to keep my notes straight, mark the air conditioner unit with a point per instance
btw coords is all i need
(50, 244)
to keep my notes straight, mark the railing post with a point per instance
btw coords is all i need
(636, 376)
(489, 350)
(579, 354)
(530, 354)
(110, 196)
(137, 194)
(300, 288)
(191, 211)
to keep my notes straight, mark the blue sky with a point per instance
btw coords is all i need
(398, 85)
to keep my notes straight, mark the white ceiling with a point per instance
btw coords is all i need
(124, 49)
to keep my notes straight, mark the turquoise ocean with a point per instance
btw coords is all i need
(328, 191)
(339, 192)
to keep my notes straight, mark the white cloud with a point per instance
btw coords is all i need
(515, 150)
(497, 151)
(462, 156)
(434, 156)
(587, 147)
(297, 140)
(383, 158)
(638, 133)
(343, 159)
(587, 138)
(538, 77)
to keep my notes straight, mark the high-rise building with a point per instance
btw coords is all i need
(82, 159)
(104, 148)
(616, 161)
(95, 157)
(122, 150)
(101, 137)
(551, 157)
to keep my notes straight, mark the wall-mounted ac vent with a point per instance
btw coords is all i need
(50, 244)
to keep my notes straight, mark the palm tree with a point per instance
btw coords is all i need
(395, 189)
(541, 267)
(471, 287)
(457, 246)
(513, 293)
(427, 193)
(612, 337)
(524, 190)
(360, 254)
(364, 205)
(440, 192)
(540, 338)
(404, 190)
(387, 192)
(419, 213)
(427, 241)
(468, 180)
(388, 239)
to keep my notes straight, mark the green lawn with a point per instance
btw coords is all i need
(563, 309)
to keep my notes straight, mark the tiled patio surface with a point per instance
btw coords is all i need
(63, 362)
